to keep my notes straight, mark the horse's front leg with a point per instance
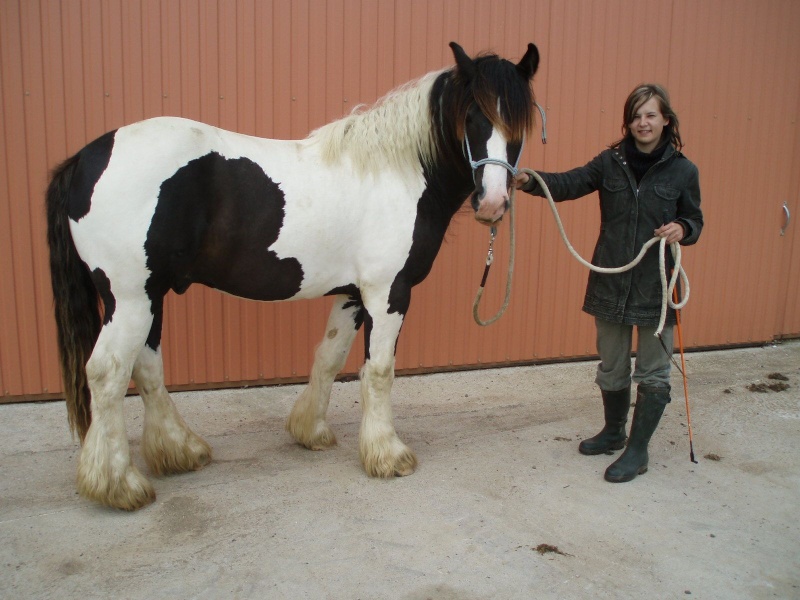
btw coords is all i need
(382, 452)
(306, 423)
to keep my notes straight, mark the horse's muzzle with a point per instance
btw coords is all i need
(488, 212)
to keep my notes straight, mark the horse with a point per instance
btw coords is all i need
(357, 210)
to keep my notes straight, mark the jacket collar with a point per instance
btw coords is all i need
(618, 152)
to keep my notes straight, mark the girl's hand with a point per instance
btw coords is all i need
(520, 179)
(673, 232)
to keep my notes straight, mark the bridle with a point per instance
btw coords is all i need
(513, 169)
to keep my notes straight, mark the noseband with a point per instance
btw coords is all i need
(491, 161)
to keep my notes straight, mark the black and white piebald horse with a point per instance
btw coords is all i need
(357, 210)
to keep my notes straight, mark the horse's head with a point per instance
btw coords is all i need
(494, 111)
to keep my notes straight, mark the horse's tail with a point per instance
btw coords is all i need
(75, 300)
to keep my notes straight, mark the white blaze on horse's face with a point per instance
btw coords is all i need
(492, 199)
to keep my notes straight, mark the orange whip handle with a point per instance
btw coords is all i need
(683, 371)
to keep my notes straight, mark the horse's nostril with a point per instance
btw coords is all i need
(476, 200)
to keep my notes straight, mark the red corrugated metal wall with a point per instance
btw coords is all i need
(72, 70)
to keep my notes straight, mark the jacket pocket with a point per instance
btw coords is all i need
(616, 198)
(667, 192)
(614, 185)
(668, 197)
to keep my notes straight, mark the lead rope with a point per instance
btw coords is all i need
(493, 231)
(667, 288)
(489, 261)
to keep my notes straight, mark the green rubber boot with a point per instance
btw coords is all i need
(650, 403)
(612, 436)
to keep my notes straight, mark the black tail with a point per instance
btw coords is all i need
(76, 303)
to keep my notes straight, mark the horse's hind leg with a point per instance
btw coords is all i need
(168, 445)
(307, 422)
(105, 471)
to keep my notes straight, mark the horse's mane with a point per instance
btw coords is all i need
(398, 131)
(394, 132)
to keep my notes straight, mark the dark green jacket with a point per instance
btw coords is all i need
(669, 191)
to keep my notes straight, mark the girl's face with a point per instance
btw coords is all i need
(648, 125)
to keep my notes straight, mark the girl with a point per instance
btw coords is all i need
(647, 187)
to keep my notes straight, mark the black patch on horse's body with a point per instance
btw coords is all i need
(92, 162)
(448, 184)
(103, 285)
(213, 224)
(438, 203)
(351, 290)
(154, 336)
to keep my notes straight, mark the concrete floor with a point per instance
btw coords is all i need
(499, 476)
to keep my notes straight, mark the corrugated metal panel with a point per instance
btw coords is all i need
(10, 78)
(788, 317)
(737, 92)
(73, 70)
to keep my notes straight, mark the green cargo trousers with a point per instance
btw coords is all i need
(652, 365)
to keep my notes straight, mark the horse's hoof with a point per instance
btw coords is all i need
(132, 491)
(167, 459)
(323, 441)
(400, 463)
(406, 465)
(320, 438)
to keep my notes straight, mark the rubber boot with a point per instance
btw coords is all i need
(612, 436)
(650, 403)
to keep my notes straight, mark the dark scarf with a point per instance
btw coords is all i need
(638, 161)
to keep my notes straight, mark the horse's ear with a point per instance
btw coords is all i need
(529, 63)
(464, 63)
